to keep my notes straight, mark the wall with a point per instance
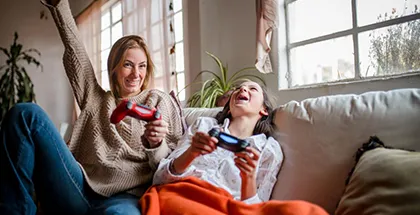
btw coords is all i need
(228, 31)
(52, 89)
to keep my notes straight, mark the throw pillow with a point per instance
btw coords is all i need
(384, 181)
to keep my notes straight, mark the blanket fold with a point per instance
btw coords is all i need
(194, 196)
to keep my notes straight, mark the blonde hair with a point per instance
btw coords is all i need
(116, 59)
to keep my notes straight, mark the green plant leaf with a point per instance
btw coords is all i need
(32, 50)
(5, 51)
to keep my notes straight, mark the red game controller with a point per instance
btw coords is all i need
(138, 111)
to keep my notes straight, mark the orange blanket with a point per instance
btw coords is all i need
(195, 196)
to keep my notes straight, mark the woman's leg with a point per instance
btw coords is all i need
(33, 155)
(119, 204)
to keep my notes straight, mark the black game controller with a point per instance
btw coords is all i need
(228, 141)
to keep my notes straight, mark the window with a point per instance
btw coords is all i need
(177, 31)
(167, 45)
(344, 40)
(111, 31)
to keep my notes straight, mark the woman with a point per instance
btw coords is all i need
(201, 178)
(108, 167)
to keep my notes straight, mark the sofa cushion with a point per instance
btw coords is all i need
(384, 181)
(319, 137)
(191, 114)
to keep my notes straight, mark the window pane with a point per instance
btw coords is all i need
(177, 5)
(105, 39)
(179, 51)
(157, 60)
(308, 19)
(105, 20)
(156, 13)
(157, 36)
(178, 27)
(181, 84)
(390, 50)
(117, 32)
(116, 12)
(105, 80)
(104, 59)
(325, 61)
(373, 11)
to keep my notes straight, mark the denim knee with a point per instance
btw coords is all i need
(18, 109)
(122, 209)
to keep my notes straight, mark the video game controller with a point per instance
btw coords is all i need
(228, 141)
(138, 111)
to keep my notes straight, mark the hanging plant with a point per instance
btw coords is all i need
(15, 84)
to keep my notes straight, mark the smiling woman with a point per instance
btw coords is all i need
(105, 168)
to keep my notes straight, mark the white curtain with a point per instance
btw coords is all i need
(267, 18)
(149, 19)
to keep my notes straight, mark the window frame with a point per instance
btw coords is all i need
(107, 7)
(354, 32)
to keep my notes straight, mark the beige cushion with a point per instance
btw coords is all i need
(191, 114)
(319, 137)
(385, 181)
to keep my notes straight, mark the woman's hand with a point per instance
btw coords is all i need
(247, 162)
(202, 144)
(155, 132)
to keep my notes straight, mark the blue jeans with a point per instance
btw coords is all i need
(34, 157)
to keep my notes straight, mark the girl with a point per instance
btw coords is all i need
(201, 178)
(248, 175)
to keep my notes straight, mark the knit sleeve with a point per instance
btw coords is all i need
(172, 114)
(76, 62)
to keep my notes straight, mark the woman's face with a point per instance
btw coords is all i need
(130, 76)
(247, 100)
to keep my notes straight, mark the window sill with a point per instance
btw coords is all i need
(351, 81)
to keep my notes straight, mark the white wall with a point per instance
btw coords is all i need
(228, 30)
(52, 89)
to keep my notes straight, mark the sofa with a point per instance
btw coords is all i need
(320, 136)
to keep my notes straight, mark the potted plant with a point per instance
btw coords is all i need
(15, 84)
(216, 90)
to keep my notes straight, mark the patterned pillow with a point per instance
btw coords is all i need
(384, 181)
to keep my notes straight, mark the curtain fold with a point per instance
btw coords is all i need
(267, 20)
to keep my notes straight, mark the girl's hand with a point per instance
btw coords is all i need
(155, 132)
(202, 144)
(247, 162)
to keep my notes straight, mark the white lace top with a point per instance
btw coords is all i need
(218, 168)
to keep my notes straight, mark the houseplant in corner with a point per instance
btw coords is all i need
(215, 90)
(15, 84)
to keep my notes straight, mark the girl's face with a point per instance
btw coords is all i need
(131, 74)
(247, 100)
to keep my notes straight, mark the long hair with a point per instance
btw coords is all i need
(116, 60)
(264, 125)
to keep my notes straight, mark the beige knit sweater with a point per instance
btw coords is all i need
(112, 157)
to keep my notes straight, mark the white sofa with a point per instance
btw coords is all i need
(320, 137)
